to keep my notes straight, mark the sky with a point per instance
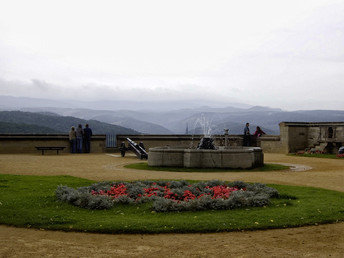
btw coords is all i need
(277, 53)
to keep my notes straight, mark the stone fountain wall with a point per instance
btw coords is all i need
(237, 157)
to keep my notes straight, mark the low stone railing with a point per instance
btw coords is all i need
(26, 143)
(269, 143)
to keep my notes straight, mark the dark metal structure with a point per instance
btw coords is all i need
(138, 149)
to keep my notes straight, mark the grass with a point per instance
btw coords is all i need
(266, 167)
(316, 155)
(29, 201)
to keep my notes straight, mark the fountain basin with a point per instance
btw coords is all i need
(234, 157)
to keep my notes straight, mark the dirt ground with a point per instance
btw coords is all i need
(313, 241)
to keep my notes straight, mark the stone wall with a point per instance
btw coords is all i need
(236, 157)
(180, 141)
(314, 135)
(302, 135)
(270, 143)
(297, 138)
(294, 136)
(26, 143)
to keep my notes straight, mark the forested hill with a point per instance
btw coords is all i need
(59, 123)
(15, 128)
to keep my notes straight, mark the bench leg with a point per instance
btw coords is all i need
(57, 152)
(42, 152)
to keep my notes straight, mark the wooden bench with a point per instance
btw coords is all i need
(57, 148)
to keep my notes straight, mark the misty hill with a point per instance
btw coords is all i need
(234, 128)
(142, 126)
(120, 118)
(149, 122)
(232, 118)
(61, 123)
(159, 121)
(25, 128)
(267, 119)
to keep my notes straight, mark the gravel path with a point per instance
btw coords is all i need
(314, 241)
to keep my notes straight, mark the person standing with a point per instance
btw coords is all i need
(247, 135)
(79, 135)
(72, 139)
(259, 132)
(87, 138)
(123, 149)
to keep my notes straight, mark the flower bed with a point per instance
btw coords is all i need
(310, 151)
(169, 195)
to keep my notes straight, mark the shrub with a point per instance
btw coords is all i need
(83, 199)
(170, 195)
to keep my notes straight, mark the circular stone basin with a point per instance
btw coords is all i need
(234, 157)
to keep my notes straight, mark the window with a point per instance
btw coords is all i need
(330, 132)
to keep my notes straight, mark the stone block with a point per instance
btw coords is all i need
(239, 157)
(166, 157)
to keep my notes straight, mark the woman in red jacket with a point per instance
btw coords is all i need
(259, 132)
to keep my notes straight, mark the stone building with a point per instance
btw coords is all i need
(320, 136)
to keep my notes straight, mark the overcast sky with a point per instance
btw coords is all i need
(278, 53)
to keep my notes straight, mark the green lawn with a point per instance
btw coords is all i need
(266, 167)
(29, 201)
(317, 155)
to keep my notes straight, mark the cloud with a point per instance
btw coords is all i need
(273, 53)
(90, 92)
(42, 85)
(33, 88)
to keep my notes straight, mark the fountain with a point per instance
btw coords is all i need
(206, 155)
(206, 143)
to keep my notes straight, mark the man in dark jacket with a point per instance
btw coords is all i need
(247, 135)
(87, 137)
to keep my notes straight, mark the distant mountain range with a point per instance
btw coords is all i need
(196, 120)
(127, 119)
(28, 122)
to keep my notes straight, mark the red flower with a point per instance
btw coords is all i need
(188, 195)
(220, 191)
(114, 192)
